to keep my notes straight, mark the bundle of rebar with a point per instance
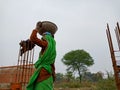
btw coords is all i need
(25, 63)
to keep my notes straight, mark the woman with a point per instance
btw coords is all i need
(44, 75)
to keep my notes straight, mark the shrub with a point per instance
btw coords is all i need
(106, 84)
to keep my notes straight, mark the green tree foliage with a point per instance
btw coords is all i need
(59, 77)
(94, 77)
(77, 60)
(69, 76)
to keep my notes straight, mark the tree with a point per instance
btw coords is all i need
(94, 77)
(59, 77)
(77, 60)
(69, 76)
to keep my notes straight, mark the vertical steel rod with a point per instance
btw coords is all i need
(24, 66)
(115, 67)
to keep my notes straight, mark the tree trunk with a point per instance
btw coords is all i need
(80, 76)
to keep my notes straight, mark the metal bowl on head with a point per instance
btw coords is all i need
(47, 26)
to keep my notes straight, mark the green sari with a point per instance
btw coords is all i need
(44, 85)
(44, 61)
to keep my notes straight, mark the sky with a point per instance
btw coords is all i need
(81, 25)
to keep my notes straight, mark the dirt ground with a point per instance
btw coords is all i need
(72, 89)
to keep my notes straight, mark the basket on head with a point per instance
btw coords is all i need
(47, 26)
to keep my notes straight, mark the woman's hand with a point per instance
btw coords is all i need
(37, 30)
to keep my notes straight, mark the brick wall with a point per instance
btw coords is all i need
(11, 74)
(7, 74)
